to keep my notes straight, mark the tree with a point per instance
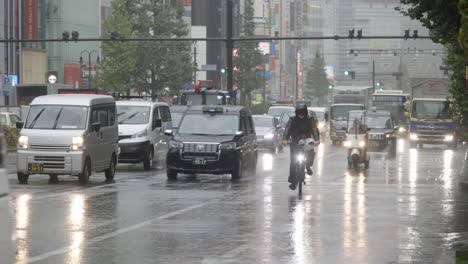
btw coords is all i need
(249, 57)
(316, 83)
(126, 63)
(444, 20)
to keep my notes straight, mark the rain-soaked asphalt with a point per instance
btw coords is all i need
(409, 209)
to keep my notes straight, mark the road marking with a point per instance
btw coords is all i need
(115, 233)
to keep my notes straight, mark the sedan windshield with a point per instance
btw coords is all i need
(263, 121)
(133, 115)
(57, 117)
(379, 122)
(278, 111)
(431, 109)
(176, 117)
(207, 124)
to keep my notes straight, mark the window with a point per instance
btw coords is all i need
(166, 114)
(101, 115)
(14, 119)
(111, 115)
(243, 125)
(3, 120)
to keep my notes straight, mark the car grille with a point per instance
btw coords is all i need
(376, 136)
(200, 150)
(51, 162)
(433, 130)
(49, 147)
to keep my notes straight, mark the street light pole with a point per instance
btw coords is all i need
(89, 62)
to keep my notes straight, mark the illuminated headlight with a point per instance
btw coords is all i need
(23, 142)
(227, 146)
(387, 136)
(77, 143)
(347, 144)
(413, 137)
(300, 158)
(143, 133)
(321, 125)
(175, 144)
(269, 136)
(448, 138)
(402, 129)
(362, 144)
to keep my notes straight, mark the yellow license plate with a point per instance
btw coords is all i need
(34, 167)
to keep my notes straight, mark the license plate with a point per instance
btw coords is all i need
(199, 162)
(34, 167)
(374, 144)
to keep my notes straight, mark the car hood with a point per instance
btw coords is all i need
(200, 138)
(51, 136)
(128, 130)
(261, 131)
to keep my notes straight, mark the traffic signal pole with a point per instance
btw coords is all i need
(229, 47)
(373, 76)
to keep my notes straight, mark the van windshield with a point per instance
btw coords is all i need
(207, 124)
(133, 115)
(60, 117)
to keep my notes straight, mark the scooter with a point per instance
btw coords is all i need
(356, 140)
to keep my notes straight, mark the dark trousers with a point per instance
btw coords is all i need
(294, 149)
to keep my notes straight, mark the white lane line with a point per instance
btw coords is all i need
(113, 234)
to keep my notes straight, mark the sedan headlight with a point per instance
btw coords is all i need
(175, 144)
(387, 136)
(23, 142)
(269, 136)
(413, 137)
(142, 133)
(448, 138)
(347, 144)
(362, 144)
(77, 143)
(402, 129)
(228, 145)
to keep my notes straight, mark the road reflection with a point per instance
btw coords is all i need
(319, 157)
(22, 211)
(267, 162)
(76, 223)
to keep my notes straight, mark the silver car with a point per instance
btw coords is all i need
(269, 132)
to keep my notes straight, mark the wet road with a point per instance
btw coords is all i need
(408, 209)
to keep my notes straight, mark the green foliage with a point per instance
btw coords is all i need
(125, 64)
(11, 136)
(444, 20)
(316, 83)
(249, 57)
(259, 109)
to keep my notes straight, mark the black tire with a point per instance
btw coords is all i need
(83, 178)
(110, 172)
(238, 170)
(171, 174)
(148, 162)
(22, 178)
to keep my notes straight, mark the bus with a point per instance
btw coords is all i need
(394, 101)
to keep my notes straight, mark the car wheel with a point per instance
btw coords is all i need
(83, 178)
(148, 162)
(171, 174)
(110, 172)
(22, 178)
(238, 170)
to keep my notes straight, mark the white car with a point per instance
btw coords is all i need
(141, 131)
(8, 119)
(321, 114)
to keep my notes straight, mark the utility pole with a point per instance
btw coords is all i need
(373, 76)
(195, 65)
(264, 82)
(229, 46)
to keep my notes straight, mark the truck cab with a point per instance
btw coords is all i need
(431, 123)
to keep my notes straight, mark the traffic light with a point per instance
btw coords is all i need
(407, 32)
(75, 35)
(415, 34)
(66, 35)
(351, 33)
(359, 33)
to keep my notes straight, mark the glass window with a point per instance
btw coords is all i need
(56, 117)
(14, 119)
(207, 124)
(166, 114)
(133, 115)
(341, 111)
(176, 117)
(111, 115)
(263, 121)
(3, 120)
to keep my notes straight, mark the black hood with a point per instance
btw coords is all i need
(200, 138)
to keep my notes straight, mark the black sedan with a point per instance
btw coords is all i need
(381, 135)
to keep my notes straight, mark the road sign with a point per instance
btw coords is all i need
(208, 67)
(52, 78)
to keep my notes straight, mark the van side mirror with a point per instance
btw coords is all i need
(19, 124)
(158, 123)
(95, 127)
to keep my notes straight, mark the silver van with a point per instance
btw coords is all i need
(141, 131)
(69, 134)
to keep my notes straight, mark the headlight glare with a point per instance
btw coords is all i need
(228, 145)
(300, 157)
(23, 142)
(402, 129)
(413, 137)
(347, 144)
(77, 143)
(362, 144)
(269, 136)
(448, 138)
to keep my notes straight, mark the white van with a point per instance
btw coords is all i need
(6, 243)
(141, 131)
(72, 134)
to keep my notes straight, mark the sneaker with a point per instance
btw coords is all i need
(292, 186)
(309, 171)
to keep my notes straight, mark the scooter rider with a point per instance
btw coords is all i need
(299, 127)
